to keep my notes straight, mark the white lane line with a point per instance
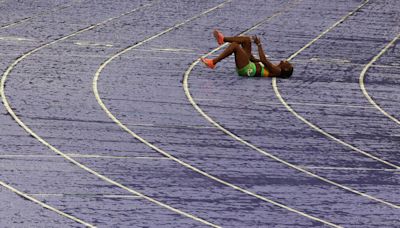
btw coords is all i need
(172, 50)
(81, 156)
(209, 119)
(207, 99)
(347, 168)
(340, 62)
(103, 106)
(87, 43)
(180, 57)
(313, 104)
(168, 126)
(26, 128)
(182, 53)
(114, 196)
(387, 66)
(46, 194)
(27, 156)
(35, 16)
(116, 157)
(44, 205)
(288, 107)
(9, 38)
(327, 30)
(362, 79)
(296, 103)
(15, 23)
(333, 60)
(122, 196)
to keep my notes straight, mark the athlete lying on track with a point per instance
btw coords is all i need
(246, 63)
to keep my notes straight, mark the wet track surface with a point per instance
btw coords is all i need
(148, 158)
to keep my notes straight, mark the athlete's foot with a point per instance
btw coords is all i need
(219, 37)
(208, 62)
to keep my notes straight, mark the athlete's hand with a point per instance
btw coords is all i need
(256, 40)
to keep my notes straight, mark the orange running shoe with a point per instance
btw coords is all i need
(208, 62)
(219, 37)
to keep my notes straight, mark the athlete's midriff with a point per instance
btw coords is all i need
(261, 70)
(264, 72)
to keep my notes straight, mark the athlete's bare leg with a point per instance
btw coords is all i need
(241, 56)
(244, 41)
(239, 45)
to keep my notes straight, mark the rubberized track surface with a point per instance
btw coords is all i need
(109, 120)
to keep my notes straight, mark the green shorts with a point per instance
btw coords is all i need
(249, 70)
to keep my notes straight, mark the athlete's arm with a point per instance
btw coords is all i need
(273, 69)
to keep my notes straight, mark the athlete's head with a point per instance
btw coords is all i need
(286, 69)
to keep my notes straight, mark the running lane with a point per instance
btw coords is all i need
(151, 105)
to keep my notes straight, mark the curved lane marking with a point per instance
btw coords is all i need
(289, 108)
(44, 205)
(37, 15)
(209, 119)
(70, 159)
(166, 154)
(362, 79)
